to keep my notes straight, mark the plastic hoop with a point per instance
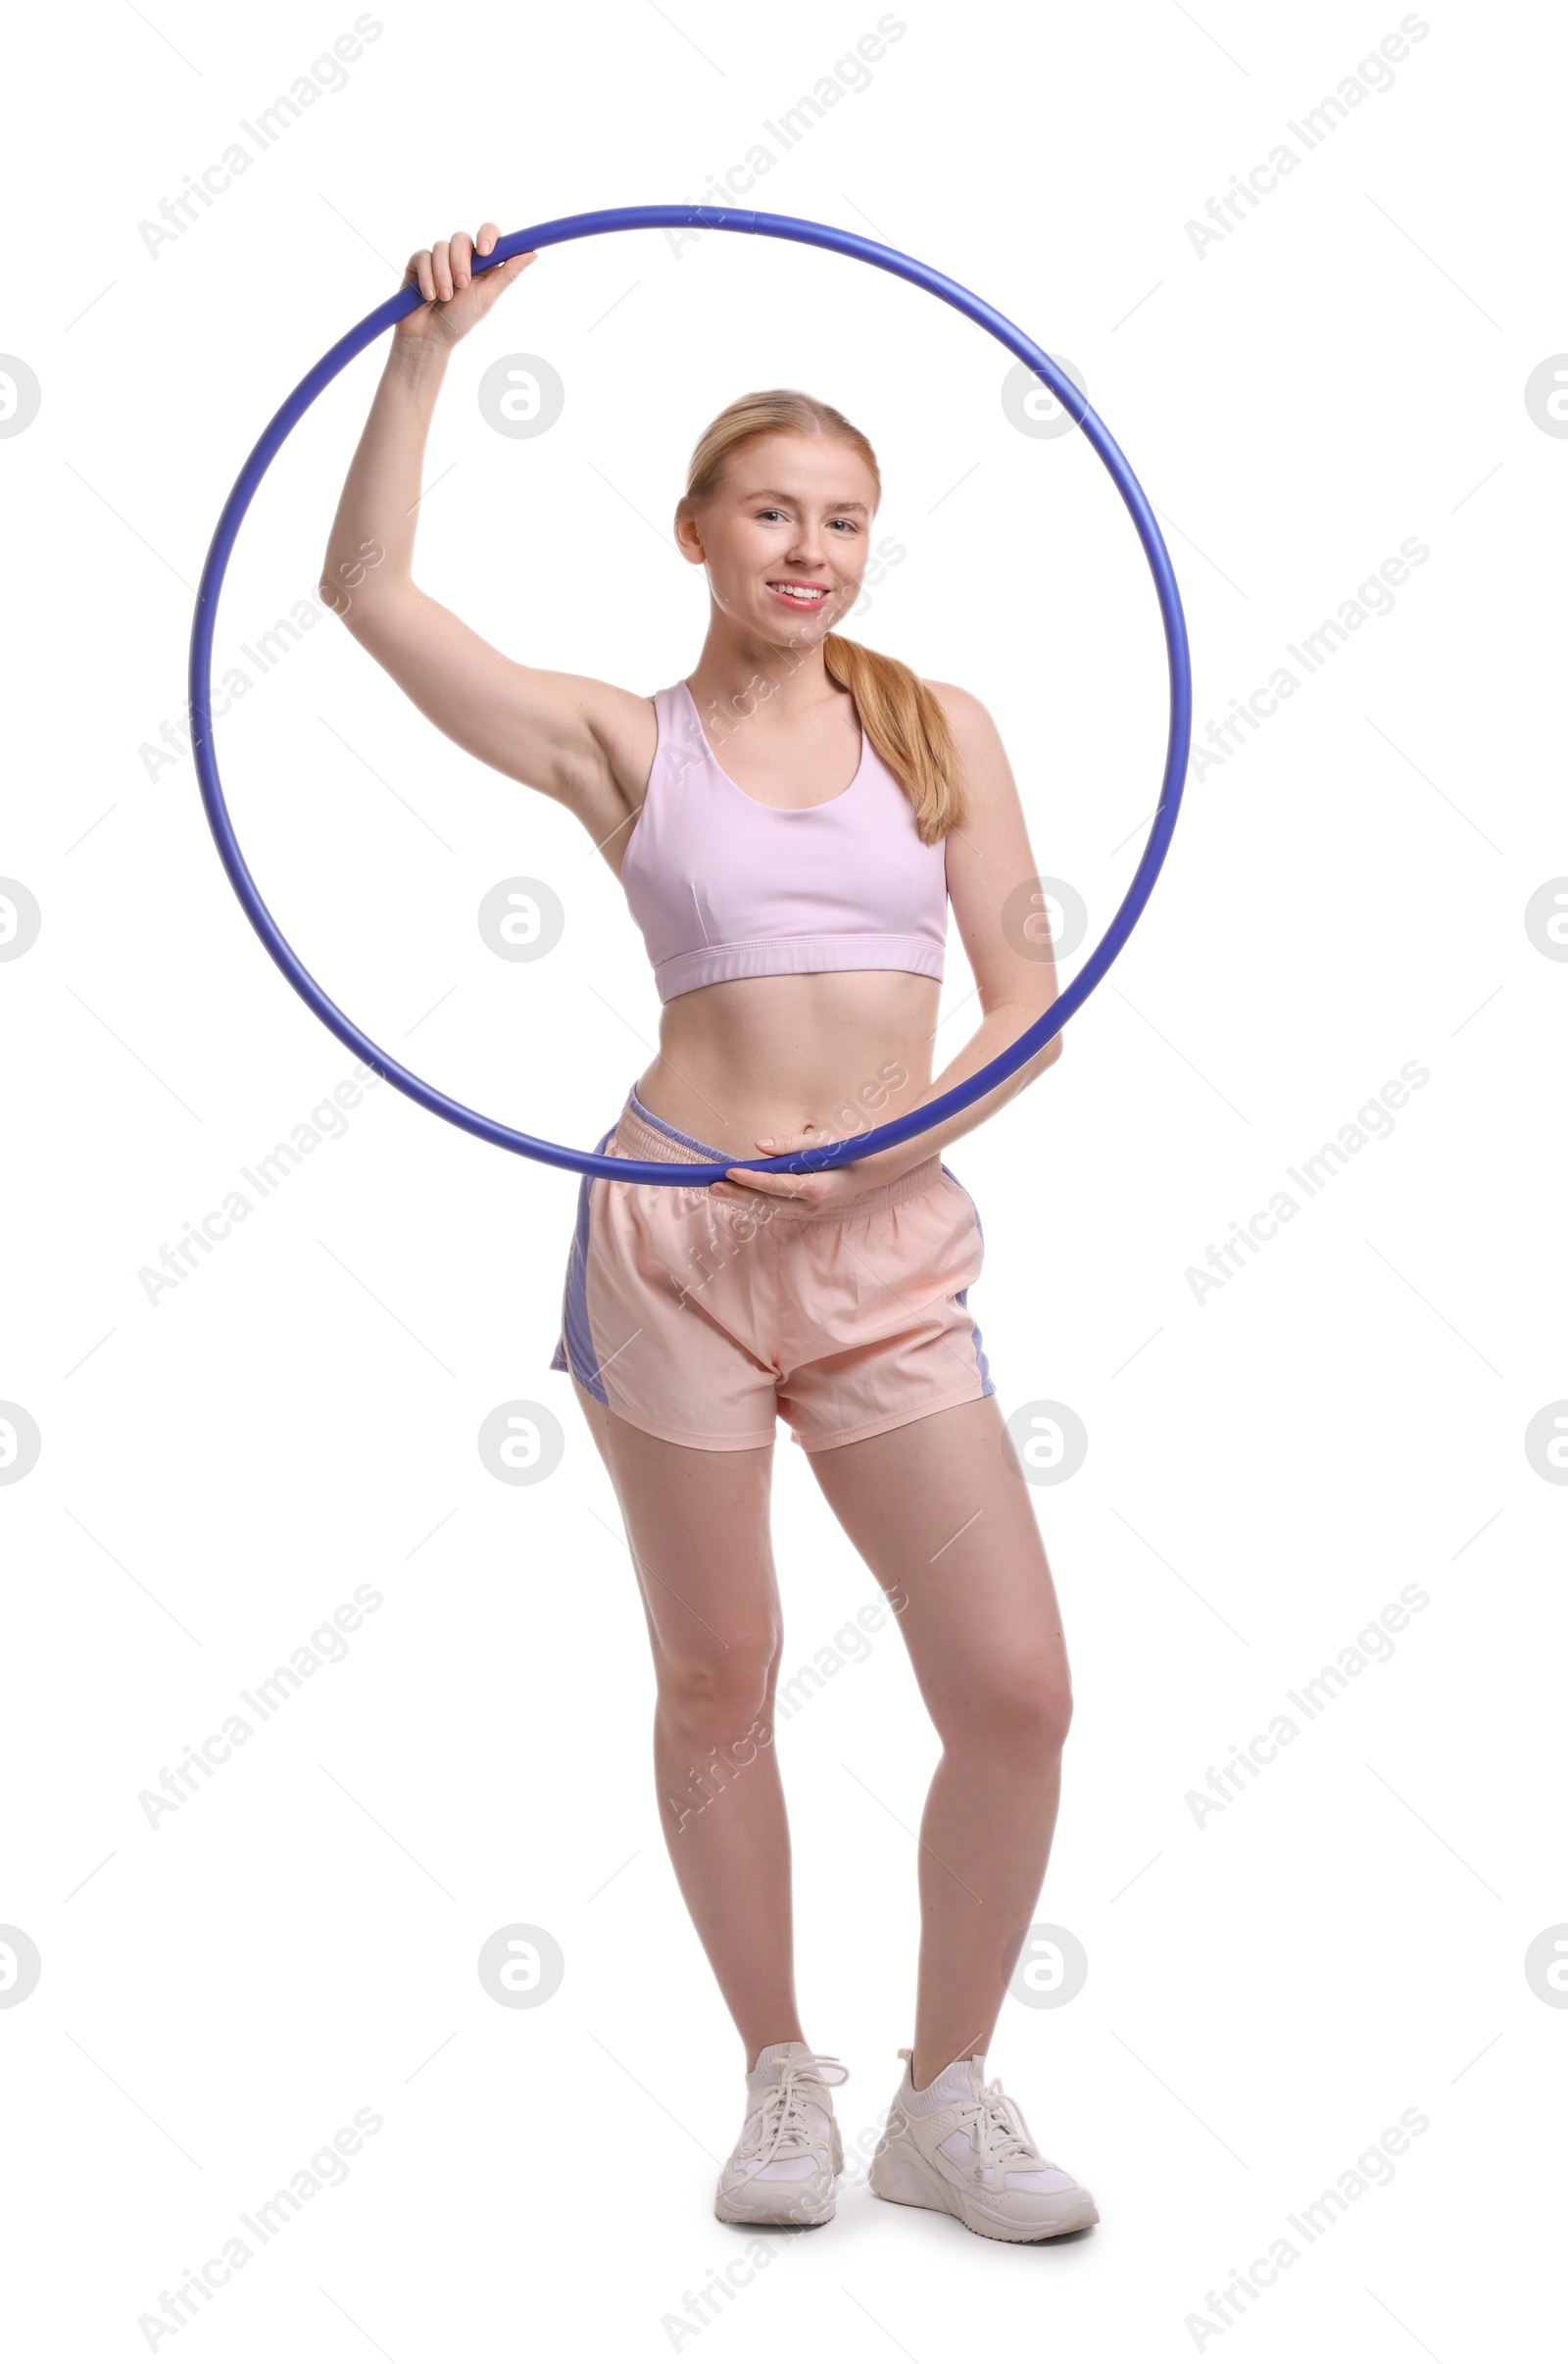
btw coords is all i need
(588, 1161)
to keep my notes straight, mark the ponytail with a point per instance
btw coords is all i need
(906, 725)
(900, 716)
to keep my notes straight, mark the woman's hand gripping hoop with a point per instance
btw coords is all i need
(767, 225)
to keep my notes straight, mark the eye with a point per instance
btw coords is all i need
(848, 522)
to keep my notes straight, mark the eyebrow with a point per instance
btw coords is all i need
(770, 492)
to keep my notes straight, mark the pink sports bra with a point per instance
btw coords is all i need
(722, 886)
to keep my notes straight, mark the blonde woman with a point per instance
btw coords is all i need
(790, 823)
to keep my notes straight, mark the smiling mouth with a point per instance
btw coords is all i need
(803, 595)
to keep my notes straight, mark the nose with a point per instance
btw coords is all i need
(808, 548)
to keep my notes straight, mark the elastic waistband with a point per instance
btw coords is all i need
(639, 1133)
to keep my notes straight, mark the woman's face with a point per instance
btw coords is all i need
(785, 538)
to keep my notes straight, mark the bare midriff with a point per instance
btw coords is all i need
(840, 1049)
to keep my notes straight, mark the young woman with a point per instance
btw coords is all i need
(788, 823)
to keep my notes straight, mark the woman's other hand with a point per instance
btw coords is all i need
(828, 1185)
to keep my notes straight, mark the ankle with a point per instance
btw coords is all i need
(755, 2052)
(927, 2065)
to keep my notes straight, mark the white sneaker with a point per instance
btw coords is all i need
(962, 2146)
(784, 2168)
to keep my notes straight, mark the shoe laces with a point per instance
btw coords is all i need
(995, 2125)
(785, 2131)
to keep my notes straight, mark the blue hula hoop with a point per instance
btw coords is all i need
(630, 1169)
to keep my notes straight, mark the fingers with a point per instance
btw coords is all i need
(786, 1144)
(431, 267)
(445, 270)
(742, 1183)
(485, 243)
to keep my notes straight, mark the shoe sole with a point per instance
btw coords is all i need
(742, 2215)
(902, 2176)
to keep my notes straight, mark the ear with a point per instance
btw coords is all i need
(688, 539)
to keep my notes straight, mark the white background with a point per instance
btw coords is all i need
(1267, 1990)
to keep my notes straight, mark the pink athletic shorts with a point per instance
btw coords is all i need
(705, 1320)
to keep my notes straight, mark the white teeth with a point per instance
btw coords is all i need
(790, 591)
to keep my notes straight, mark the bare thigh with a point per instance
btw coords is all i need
(940, 1511)
(698, 1526)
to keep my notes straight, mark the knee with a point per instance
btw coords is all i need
(1021, 1715)
(705, 1695)
(1032, 1717)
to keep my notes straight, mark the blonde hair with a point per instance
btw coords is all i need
(902, 718)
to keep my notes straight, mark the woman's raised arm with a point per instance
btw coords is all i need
(575, 739)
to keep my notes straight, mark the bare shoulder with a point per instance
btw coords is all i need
(964, 709)
(992, 841)
(976, 737)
